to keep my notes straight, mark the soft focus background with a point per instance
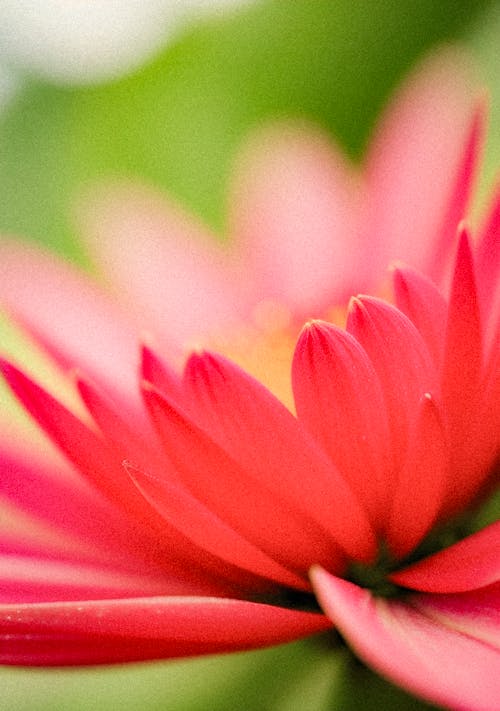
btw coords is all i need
(165, 92)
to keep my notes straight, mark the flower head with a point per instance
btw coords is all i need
(207, 516)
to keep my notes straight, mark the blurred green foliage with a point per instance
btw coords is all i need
(179, 121)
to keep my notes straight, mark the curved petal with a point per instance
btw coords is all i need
(230, 490)
(418, 172)
(207, 531)
(170, 271)
(390, 340)
(339, 399)
(469, 564)
(50, 304)
(295, 218)
(101, 632)
(403, 643)
(259, 432)
(418, 298)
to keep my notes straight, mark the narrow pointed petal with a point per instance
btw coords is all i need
(103, 343)
(101, 632)
(410, 648)
(208, 531)
(99, 464)
(425, 306)
(157, 372)
(420, 164)
(295, 218)
(128, 443)
(260, 515)
(469, 564)
(339, 399)
(391, 340)
(421, 482)
(174, 277)
(462, 375)
(488, 268)
(259, 432)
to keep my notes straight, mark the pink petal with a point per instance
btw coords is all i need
(425, 306)
(418, 172)
(36, 579)
(413, 650)
(295, 218)
(48, 298)
(467, 565)
(207, 531)
(401, 361)
(339, 399)
(173, 276)
(259, 432)
(232, 493)
(421, 482)
(475, 613)
(99, 632)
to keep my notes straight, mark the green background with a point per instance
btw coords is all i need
(177, 123)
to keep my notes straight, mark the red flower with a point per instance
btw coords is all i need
(214, 519)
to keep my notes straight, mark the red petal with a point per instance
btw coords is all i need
(401, 360)
(467, 565)
(413, 650)
(266, 439)
(462, 373)
(339, 399)
(152, 538)
(144, 628)
(420, 300)
(207, 531)
(232, 493)
(421, 483)
(155, 371)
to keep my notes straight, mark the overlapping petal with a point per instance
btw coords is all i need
(407, 644)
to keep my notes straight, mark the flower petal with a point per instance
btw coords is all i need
(412, 649)
(469, 564)
(418, 179)
(100, 632)
(390, 340)
(295, 218)
(339, 399)
(207, 531)
(421, 482)
(418, 298)
(231, 492)
(461, 379)
(36, 579)
(50, 304)
(173, 276)
(259, 432)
